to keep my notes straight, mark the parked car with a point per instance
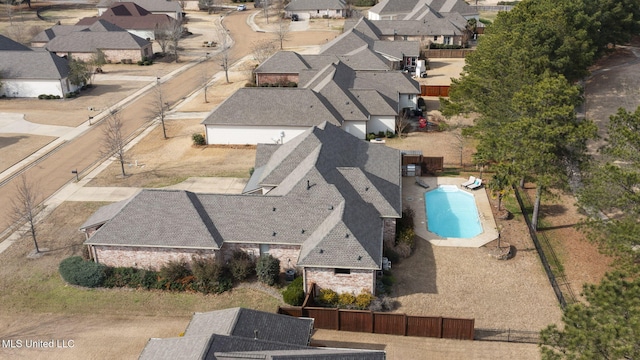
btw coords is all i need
(294, 17)
(241, 7)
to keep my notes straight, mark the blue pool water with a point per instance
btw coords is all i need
(452, 213)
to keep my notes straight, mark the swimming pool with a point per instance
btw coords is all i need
(452, 213)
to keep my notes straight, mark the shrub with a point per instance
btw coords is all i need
(42, 96)
(382, 303)
(130, 277)
(346, 299)
(371, 136)
(140, 62)
(210, 276)
(242, 265)
(294, 293)
(363, 300)
(198, 139)
(407, 237)
(328, 297)
(268, 269)
(403, 250)
(147, 63)
(77, 271)
(175, 276)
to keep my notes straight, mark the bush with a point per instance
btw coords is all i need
(328, 297)
(403, 250)
(364, 299)
(130, 277)
(175, 276)
(407, 237)
(294, 293)
(198, 139)
(346, 299)
(210, 276)
(242, 265)
(140, 62)
(371, 136)
(77, 271)
(382, 303)
(268, 269)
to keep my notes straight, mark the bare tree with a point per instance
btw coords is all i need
(262, 50)
(205, 77)
(175, 35)
(459, 131)
(282, 31)
(402, 123)
(113, 141)
(162, 35)
(224, 54)
(160, 106)
(25, 206)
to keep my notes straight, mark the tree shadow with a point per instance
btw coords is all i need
(553, 210)
(417, 273)
(10, 140)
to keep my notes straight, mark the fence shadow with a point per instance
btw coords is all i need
(416, 274)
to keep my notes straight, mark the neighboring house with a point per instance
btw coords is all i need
(133, 18)
(449, 30)
(361, 102)
(365, 35)
(322, 204)
(266, 115)
(306, 9)
(158, 7)
(82, 43)
(29, 73)
(240, 333)
(416, 9)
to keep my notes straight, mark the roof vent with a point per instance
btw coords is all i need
(255, 334)
(274, 209)
(302, 231)
(330, 207)
(347, 235)
(359, 257)
(321, 251)
(366, 189)
(308, 185)
(274, 233)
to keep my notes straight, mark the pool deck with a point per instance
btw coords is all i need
(413, 196)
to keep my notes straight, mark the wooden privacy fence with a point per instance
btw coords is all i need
(445, 53)
(434, 90)
(384, 323)
(432, 164)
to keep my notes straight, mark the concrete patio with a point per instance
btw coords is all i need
(413, 196)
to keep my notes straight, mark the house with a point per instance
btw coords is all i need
(365, 35)
(29, 73)
(361, 102)
(157, 7)
(240, 333)
(416, 9)
(266, 115)
(306, 9)
(133, 18)
(82, 42)
(321, 203)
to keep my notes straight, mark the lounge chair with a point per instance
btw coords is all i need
(475, 185)
(471, 180)
(421, 183)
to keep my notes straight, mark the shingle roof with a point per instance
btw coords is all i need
(375, 103)
(450, 25)
(160, 218)
(283, 62)
(130, 16)
(403, 7)
(272, 106)
(99, 35)
(150, 5)
(104, 214)
(305, 5)
(33, 65)
(57, 30)
(252, 324)
(7, 44)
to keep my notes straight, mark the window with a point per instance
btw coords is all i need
(435, 38)
(404, 37)
(342, 271)
(447, 40)
(264, 249)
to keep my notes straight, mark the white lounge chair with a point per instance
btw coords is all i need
(475, 185)
(471, 180)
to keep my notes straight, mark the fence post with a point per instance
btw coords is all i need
(509, 335)
(337, 319)
(373, 322)
(406, 324)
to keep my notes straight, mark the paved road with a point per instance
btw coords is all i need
(54, 170)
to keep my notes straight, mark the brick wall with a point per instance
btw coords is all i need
(287, 254)
(144, 257)
(325, 278)
(276, 78)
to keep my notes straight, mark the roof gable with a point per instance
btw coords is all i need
(33, 65)
(7, 44)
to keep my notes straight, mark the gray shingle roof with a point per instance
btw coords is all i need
(450, 25)
(160, 218)
(57, 30)
(306, 5)
(181, 348)
(130, 16)
(150, 5)
(307, 354)
(375, 103)
(272, 106)
(7, 44)
(33, 65)
(252, 324)
(104, 214)
(403, 7)
(283, 62)
(99, 35)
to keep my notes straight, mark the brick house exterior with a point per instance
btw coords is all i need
(321, 213)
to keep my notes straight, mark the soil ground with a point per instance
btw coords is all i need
(33, 297)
